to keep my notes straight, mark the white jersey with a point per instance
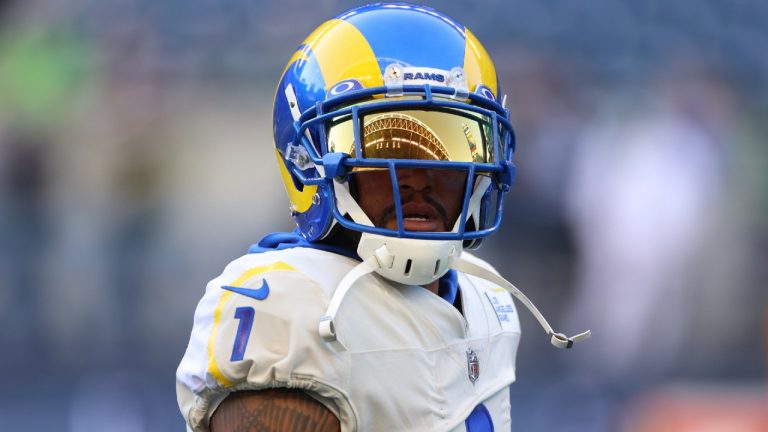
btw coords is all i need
(406, 360)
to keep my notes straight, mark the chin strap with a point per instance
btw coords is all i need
(327, 328)
(557, 339)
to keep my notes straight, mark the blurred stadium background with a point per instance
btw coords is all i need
(136, 161)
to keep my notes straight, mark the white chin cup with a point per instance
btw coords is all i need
(409, 261)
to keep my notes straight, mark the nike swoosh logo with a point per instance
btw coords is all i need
(258, 294)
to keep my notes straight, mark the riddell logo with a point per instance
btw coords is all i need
(424, 76)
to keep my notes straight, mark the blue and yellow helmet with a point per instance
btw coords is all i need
(389, 86)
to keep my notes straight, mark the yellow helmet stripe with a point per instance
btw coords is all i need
(478, 66)
(357, 59)
(301, 200)
(300, 54)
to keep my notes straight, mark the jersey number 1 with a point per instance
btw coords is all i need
(245, 315)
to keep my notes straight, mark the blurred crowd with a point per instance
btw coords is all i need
(136, 160)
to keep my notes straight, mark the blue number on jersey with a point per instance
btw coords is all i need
(479, 420)
(245, 315)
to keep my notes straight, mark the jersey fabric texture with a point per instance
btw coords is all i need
(405, 359)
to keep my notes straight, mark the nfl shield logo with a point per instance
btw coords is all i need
(473, 365)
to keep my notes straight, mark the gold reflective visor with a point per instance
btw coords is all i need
(445, 135)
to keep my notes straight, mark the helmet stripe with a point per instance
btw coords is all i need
(478, 66)
(300, 54)
(411, 34)
(356, 60)
(300, 199)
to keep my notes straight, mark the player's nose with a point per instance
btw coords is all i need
(414, 179)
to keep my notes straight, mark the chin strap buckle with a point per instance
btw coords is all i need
(557, 339)
(326, 329)
(562, 341)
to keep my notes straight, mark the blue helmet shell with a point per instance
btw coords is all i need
(344, 61)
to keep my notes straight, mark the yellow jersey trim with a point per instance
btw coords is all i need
(213, 366)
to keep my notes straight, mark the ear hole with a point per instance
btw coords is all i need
(299, 185)
(437, 267)
(408, 267)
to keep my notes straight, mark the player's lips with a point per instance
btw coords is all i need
(420, 216)
(421, 224)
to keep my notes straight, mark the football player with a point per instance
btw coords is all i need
(395, 148)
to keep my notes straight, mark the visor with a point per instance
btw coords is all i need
(444, 135)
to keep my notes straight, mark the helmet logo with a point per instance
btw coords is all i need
(344, 86)
(485, 92)
(424, 76)
(420, 75)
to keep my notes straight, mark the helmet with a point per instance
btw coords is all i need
(392, 87)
